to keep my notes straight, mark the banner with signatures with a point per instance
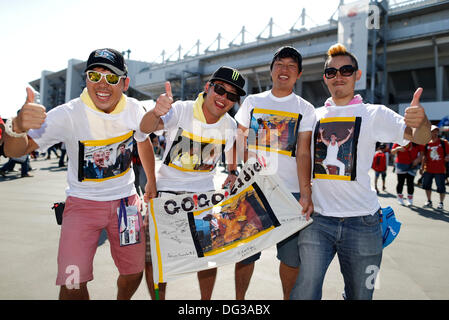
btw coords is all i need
(198, 231)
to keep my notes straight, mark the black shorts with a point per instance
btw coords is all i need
(439, 180)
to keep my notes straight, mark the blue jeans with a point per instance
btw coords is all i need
(357, 241)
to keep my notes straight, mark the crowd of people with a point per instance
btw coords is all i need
(322, 155)
(25, 161)
(430, 160)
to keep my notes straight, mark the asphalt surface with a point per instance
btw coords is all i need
(415, 266)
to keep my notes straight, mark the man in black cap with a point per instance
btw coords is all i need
(197, 134)
(277, 125)
(101, 118)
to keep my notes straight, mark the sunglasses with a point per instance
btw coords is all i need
(95, 76)
(345, 71)
(220, 90)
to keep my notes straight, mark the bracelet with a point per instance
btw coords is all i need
(234, 172)
(10, 132)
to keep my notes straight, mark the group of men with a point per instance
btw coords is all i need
(287, 130)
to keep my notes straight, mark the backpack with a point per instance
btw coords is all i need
(379, 162)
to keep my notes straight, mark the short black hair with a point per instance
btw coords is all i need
(287, 52)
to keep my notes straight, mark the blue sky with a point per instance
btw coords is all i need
(38, 35)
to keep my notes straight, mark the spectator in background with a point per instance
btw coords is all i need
(52, 149)
(9, 166)
(24, 161)
(140, 178)
(435, 156)
(62, 156)
(380, 166)
(406, 163)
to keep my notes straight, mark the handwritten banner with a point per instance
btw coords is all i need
(198, 231)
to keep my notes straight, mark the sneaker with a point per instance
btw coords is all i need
(400, 199)
(428, 204)
(440, 206)
(26, 175)
(410, 200)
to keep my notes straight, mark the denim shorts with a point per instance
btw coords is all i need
(287, 249)
(380, 173)
(357, 241)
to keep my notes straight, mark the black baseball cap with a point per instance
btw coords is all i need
(230, 76)
(108, 58)
(287, 52)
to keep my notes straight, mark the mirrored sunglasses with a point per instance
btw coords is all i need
(95, 76)
(220, 90)
(345, 71)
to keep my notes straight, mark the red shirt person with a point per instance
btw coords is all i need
(406, 164)
(436, 154)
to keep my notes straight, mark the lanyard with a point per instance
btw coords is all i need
(122, 215)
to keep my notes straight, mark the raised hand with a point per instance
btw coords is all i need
(415, 115)
(31, 116)
(164, 102)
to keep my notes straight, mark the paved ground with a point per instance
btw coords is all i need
(415, 266)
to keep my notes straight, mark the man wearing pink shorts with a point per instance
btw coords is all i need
(99, 195)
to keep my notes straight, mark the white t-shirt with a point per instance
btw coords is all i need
(276, 123)
(350, 194)
(87, 133)
(332, 151)
(193, 148)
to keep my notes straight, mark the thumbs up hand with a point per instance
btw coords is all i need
(31, 115)
(415, 115)
(164, 102)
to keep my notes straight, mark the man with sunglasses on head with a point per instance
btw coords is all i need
(281, 124)
(100, 118)
(346, 220)
(205, 125)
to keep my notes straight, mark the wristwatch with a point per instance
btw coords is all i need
(234, 172)
(10, 132)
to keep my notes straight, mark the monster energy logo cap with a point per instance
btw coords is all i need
(230, 76)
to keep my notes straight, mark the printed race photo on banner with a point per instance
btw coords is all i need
(274, 131)
(239, 219)
(193, 153)
(335, 152)
(101, 160)
(197, 231)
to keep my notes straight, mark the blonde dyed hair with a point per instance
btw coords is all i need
(339, 49)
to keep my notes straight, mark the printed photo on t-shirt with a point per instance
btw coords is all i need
(274, 131)
(192, 153)
(101, 160)
(335, 154)
(239, 219)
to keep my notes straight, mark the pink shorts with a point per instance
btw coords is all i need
(82, 223)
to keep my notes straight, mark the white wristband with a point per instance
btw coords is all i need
(10, 132)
